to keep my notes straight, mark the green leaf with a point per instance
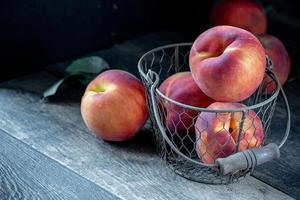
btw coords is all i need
(87, 65)
(53, 88)
(83, 69)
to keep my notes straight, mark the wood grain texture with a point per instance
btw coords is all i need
(27, 174)
(129, 170)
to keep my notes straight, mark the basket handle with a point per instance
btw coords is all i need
(288, 113)
(247, 160)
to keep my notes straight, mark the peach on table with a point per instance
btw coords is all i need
(114, 105)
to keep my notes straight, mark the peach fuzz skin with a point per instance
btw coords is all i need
(182, 88)
(114, 105)
(280, 59)
(245, 14)
(217, 134)
(227, 63)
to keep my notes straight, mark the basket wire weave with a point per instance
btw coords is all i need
(174, 131)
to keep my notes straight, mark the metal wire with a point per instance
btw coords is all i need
(189, 149)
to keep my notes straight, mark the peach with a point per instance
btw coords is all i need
(182, 88)
(246, 14)
(179, 121)
(227, 63)
(217, 133)
(280, 58)
(114, 105)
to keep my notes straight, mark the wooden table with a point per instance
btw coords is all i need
(46, 151)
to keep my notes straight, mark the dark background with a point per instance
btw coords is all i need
(35, 33)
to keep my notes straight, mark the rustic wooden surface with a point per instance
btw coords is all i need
(129, 170)
(27, 174)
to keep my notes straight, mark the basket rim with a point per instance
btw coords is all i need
(246, 108)
(156, 49)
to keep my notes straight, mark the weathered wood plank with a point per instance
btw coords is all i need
(27, 174)
(130, 170)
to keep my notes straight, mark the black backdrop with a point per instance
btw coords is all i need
(35, 33)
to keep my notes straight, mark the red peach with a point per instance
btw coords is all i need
(182, 88)
(227, 63)
(246, 14)
(280, 59)
(217, 133)
(114, 105)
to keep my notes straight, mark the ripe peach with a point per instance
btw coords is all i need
(217, 133)
(182, 88)
(279, 56)
(114, 105)
(246, 14)
(227, 63)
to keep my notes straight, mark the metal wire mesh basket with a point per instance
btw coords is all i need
(190, 150)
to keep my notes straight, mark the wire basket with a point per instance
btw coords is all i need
(190, 150)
